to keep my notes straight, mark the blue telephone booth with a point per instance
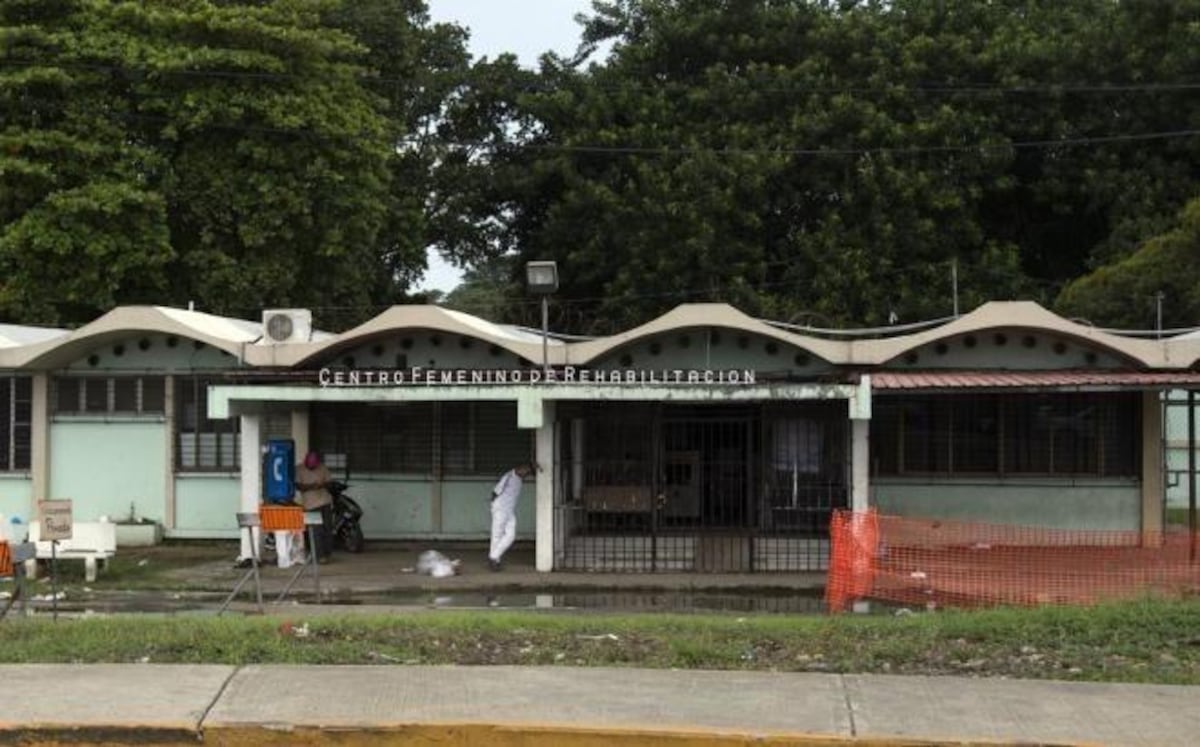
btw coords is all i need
(279, 471)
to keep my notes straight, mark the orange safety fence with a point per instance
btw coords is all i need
(281, 518)
(6, 566)
(935, 563)
(854, 537)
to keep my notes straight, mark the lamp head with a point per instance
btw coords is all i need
(541, 276)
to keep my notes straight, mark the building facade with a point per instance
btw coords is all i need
(705, 440)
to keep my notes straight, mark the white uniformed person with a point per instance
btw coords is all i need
(504, 512)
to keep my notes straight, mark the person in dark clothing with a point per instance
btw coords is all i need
(312, 479)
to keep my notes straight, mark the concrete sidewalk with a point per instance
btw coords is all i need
(390, 568)
(176, 704)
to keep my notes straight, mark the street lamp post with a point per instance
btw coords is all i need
(541, 277)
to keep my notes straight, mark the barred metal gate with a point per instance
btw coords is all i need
(718, 489)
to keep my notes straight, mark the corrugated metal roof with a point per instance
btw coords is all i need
(1068, 379)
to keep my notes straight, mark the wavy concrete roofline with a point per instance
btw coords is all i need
(690, 316)
(230, 335)
(242, 338)
(407, 317)
(1024, 315)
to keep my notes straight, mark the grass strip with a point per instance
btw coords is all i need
(1144, 641)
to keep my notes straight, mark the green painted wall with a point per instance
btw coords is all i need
(104, 465)
(154, 353)
(466, 508)
(715, 348)
(426, 348)
(1067, 504)
(1007, 349)
(16, 495)
(1176, 427)
(393, 506)
(1177, 475)
(399, 507)
(206, 505)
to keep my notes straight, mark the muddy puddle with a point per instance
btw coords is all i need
(760, 601)
(583, 600)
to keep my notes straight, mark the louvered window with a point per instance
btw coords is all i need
(203, 444)
(16, 413)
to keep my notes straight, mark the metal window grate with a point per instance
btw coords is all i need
(108, 395)
(95, 395)
(125, 395)
(392, 438)
(1091, 434)
(481, 438)
(66, 396)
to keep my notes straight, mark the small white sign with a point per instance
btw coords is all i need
(56, 520)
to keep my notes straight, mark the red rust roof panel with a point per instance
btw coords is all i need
(1065, 379)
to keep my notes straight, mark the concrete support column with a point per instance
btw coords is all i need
(860, 472)
(1153, 489)
(169, 508)
(300, 440)
(39, 442)
(251, 456)
(860, 445)
(544, 449)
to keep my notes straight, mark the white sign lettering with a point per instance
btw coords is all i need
(569, 375)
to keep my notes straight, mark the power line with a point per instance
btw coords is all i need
(864, 332)
(679, 150)
(926, 88)
(882, 150)
(715, 151)
(682, 294)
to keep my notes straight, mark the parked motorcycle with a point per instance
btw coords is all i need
(347, 529)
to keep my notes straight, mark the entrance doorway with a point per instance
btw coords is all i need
(709, 488)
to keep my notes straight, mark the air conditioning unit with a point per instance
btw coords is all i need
(287, 325)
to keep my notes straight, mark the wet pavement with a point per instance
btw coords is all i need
(578, 601)
(385, 577)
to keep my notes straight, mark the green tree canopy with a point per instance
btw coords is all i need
(487, 290)
(836, 160)
(238, 154)
(1125, 293)
(803, 159)
(81, 222)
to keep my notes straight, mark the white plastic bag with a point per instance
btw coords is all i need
(299, 552)
(437, 565)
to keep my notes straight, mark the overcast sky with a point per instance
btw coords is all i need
(527, 28)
